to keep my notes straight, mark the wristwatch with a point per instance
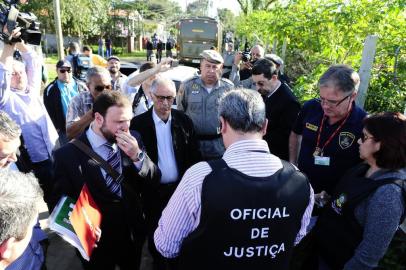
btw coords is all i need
(140, 156)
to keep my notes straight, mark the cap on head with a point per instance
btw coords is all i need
(212, 56)
(274, 58)
(113, 57)
(63, 63)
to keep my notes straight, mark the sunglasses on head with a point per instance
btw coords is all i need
(65, 70)
(101, 88)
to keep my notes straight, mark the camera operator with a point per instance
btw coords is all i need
(20, 98)
(241, 71)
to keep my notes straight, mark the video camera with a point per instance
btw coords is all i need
(11, 18)
(246, 54)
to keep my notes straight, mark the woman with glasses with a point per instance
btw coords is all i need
(368, 204)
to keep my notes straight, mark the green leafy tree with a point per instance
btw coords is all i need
(320, 33)
(247, 6)
(227, 18)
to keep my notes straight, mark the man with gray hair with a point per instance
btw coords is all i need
(198, 97)
(79, 115)
(9, 140)
(170, 142)
(244, 211)
(323, 141)
(20, 195)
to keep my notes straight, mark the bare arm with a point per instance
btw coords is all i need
(137, 79)
(74, 129)
(294, 147)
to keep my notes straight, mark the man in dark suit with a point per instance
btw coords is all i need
(281, 106)
(170, 141)
(122, 222)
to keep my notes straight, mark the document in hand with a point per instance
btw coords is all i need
(86, 219)
(79, 230)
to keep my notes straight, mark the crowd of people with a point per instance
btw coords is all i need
(238, 176)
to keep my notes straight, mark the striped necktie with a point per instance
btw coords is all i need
(113, 158)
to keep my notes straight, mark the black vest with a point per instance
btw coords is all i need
(337, 231)
(246, 222)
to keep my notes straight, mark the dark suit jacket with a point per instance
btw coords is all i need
(282, 109)
(184, 141)
(186, 152)
(121, 217)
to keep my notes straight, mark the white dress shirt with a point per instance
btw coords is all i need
(166, 156)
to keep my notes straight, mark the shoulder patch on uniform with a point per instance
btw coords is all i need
(311, 127)
(346, 139)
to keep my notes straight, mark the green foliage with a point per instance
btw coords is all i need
(227, 18)
(320, 33)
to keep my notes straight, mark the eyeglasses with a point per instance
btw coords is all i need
(65, 70)
(162, 98)
(101, 88)
(332, 102)
(365, 137)
(14, 73)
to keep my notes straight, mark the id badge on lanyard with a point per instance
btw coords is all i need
(323, 161)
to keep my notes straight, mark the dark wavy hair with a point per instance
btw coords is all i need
(388, 128)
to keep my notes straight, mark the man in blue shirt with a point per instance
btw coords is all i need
(20, 85)
(58, 94)
(323, 141)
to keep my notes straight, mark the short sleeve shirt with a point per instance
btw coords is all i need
(343, 149)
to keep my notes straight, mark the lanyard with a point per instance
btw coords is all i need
(319, 151)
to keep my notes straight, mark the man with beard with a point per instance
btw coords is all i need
(117, 197)
(281, 106)
(79, 113)
(118, 80)
(199, 98)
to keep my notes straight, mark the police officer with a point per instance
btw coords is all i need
(323, 141)
(228, 57)
(199, 98)
(243, 211)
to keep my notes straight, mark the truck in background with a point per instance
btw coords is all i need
(196, 35)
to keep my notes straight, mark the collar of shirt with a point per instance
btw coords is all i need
(279, 86)
(62, 85)
(199, 81)
(158, 121)
(246, 146)
(97, 141)
(87, 98)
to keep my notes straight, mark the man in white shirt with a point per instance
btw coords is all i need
(170, 142)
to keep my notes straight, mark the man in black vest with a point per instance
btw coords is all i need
(281, 106)
(244, 211)
(170, 142)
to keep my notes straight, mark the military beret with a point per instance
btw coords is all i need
(212, 56)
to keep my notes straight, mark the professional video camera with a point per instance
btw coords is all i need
(11, 18)
(246, 54)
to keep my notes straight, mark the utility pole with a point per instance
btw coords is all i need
(58, 27)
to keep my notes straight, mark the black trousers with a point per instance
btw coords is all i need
(43, 170)
(156, 201)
